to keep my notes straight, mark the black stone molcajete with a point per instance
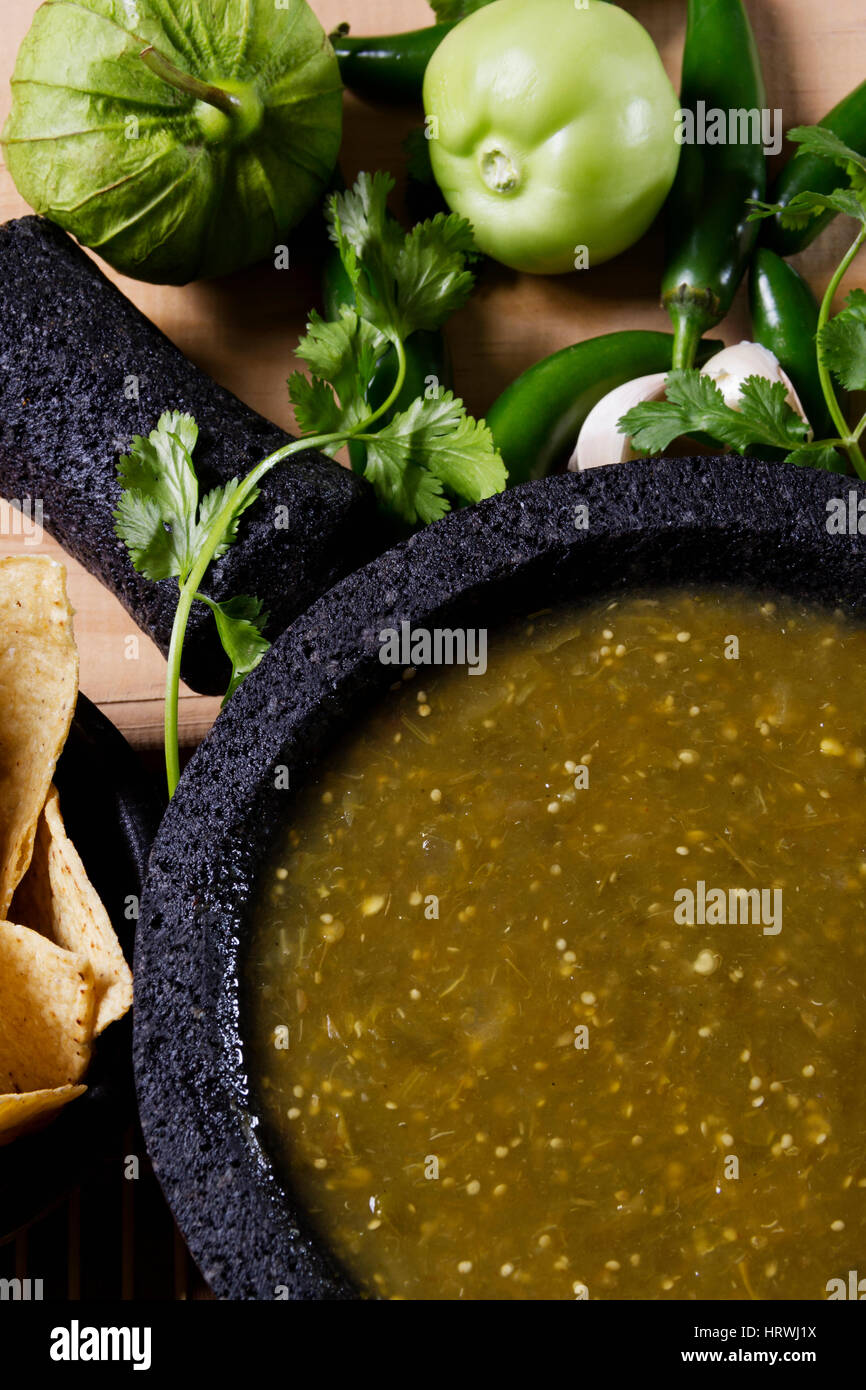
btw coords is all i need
(81, 372)
(696, 521)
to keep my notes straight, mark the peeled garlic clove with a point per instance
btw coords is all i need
(600, 441)
(733, 365)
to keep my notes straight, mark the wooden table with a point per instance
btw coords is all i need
(244, 335)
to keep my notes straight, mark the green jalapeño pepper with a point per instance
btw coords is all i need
(390, 67)
(785, 320)
(536, 420)
(709, 239)
(807, 173)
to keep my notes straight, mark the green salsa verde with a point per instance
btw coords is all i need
(556, 980)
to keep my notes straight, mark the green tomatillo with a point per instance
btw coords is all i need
(552, 128)
(177, 140)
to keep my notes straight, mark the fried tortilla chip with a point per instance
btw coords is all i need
(38, 690)
(30, 1109)
(57, 898)
(47, 1008)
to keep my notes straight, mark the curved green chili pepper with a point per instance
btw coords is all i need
(428, 362)
(709, 240)
(390, 67)
(806, 173)
(785, 320)
(536, 420)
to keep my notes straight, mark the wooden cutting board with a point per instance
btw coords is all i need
(243, 332)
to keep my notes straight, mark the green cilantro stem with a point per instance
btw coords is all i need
(861, 426)
(399, 383)
(189, 589)
(849, 441)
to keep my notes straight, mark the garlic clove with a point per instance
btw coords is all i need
(733, 365)
(600, 441)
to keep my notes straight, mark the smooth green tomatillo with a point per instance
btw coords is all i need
(552, 128)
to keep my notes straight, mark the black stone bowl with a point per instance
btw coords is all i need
(694, 521)
(111, 812)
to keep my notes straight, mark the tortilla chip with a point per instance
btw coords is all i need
(57, 898)
(38, 690)
(47, 1007)
(30, 1109)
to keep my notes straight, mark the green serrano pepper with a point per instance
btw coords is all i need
(806, 173)
(709, 240)
(428, 362)
(785, 320)
(390, 67)
(537, 419)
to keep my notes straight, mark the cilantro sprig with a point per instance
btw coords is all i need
(417, 459)
(763, 416)
(402, 282)
(695, 404)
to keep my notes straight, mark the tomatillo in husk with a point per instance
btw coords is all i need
(176, 141)
(552, 128)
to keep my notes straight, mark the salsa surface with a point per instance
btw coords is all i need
(557, 1087)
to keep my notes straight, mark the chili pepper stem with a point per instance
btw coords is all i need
(709, 241)
(687, 334)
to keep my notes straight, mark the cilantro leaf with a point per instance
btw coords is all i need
(211, 506)
(156, 513)
(768, 416)
(457, 448)
(822, 456)
(432, 445)
(432, 282)
(803, 207)
(361, 228)
(402, 281)
(317, 410)
(842, 343)
(139, 524)
(342, 355)
(695, 404)
(824, 144)
(341, 350)
(240, 622)
(362, 215)
(403, 486)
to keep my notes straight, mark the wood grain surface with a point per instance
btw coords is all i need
(242, 329)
